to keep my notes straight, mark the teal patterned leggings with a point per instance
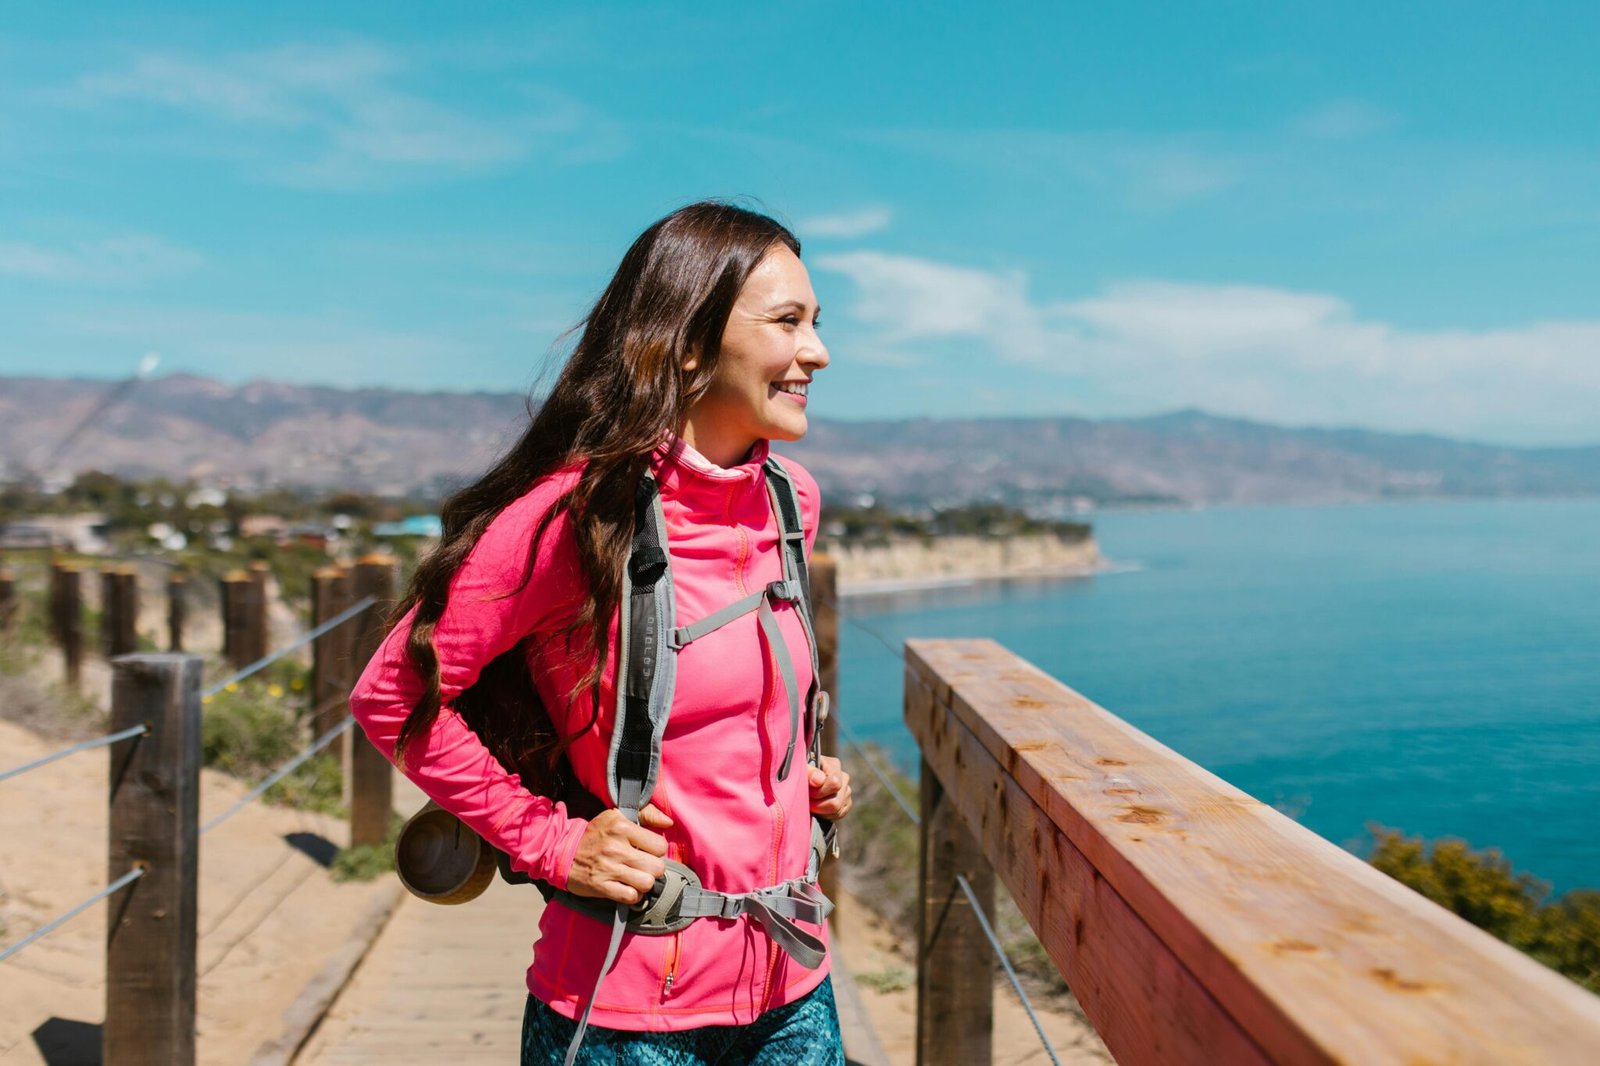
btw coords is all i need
(802, 1033)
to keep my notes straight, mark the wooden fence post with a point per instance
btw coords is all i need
(225, 611)
(955, 965)
(371, 775)
(330, 653)
(119, 610)
(236, 597)
(825, 617)
(66, 618)
(177, 597)
(154, 823)
(108, 608)
(8, 603)
(260, 600)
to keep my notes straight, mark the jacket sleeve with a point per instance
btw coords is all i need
(486, 615)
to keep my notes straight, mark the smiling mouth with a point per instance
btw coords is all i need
(795, 389)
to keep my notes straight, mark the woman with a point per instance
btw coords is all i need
(495, 689)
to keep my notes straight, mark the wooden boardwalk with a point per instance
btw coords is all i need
(445, 985)
(441, 984)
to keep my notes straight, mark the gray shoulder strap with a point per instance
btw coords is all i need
(646, 670)
(792, 535)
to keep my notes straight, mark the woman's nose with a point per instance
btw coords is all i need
(814, 353)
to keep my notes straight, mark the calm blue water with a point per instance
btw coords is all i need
(1433, 667)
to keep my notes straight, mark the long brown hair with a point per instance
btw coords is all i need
(623, 389)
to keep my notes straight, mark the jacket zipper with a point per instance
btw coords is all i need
(676, 955)
(672, 967)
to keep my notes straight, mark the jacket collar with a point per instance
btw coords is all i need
(676, 461)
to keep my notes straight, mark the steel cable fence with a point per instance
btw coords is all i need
(86, 745)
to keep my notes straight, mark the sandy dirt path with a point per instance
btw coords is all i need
(270, 915)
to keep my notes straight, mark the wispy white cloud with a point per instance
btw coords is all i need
(1344, 120)
(1144, 172)
(847, 225)
(341, 114)
(1253, 351)
(128, 259)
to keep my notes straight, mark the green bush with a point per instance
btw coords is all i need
(365, 862)
(248, 732)
(315, 785)
(1483, 888)
(253, 728)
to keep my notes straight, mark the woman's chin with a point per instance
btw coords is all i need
(790, 429)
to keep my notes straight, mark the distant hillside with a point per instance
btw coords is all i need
(263, 433)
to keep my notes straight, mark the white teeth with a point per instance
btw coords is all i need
(798, 388)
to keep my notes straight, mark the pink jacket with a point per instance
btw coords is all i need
(735, 826)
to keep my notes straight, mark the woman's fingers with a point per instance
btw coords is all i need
(830, 789)
(616, 859)
(654, 817)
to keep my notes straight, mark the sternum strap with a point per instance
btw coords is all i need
(761, 603)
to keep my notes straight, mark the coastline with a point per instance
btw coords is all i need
(892, 585)
(914, 564)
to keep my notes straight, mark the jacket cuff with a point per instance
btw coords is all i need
(552, 863)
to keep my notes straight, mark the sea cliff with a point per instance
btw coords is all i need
(886, 564)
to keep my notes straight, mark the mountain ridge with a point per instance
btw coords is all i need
(268, 433)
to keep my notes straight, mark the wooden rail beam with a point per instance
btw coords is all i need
(1197, 924)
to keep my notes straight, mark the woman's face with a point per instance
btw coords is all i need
(770, 350)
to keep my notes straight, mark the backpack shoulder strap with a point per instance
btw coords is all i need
(792, 538)
(646, 669)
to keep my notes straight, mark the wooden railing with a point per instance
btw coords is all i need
(1194, 923)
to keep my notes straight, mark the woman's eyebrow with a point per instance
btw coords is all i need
(795, 305)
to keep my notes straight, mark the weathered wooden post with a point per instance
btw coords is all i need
(330, 653)
(66, 618)
(8, 602)
(825, 617)
(128, 588)
(177, 602)
(371, 775)
(108, 608)
(225, 611)
(260, 600)
(119, 610)
(236, 597)
(154, 824)
(955, 968)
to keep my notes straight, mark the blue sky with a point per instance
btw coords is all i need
(1377, 215)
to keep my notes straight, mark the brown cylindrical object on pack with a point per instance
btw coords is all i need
(441, 860)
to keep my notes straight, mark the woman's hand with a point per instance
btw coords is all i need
(617, 860)
(830, 789)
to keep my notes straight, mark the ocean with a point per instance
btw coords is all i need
(1427, 666)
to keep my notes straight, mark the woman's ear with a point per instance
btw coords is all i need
(692, 363)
